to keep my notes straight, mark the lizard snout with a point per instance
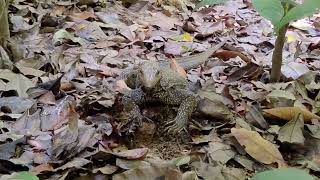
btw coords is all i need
(149, 82)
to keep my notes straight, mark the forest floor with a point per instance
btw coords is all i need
(60, 106)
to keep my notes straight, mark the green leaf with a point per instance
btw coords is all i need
(208, 2)
(283, 174)
(308, 8)
(24, 175)
(62, 35)
(270, 9)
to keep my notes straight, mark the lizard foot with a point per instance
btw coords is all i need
(134, 120)
(176, 126)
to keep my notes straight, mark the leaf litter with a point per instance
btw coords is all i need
(60, 114)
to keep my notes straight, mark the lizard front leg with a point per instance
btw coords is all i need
(186, 108)
(130, 102)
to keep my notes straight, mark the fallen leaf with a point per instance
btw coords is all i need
(82, 15)
(108, 169)
(250, 71)
(16, 104)
(63, 35)
(215, 109)
(131, 164)
(288, 113)
(226, 55)
(257, 147)
(176, 67)
(294, 70)
(281, 94)
(16, 82)
(208, 171)
(53, 117)
(132, 153)
(283, 173)
(183, 37)
(47, 98)
(220, 152)
(255, 117)
(41, 168)
(74, 163)
(291, 132)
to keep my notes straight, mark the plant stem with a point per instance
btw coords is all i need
(277, 55)
(4, 28)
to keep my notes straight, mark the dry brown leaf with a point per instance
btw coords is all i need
(250, 71)
(288, 113)
(41, 168)
(176, 67)
(82, 15)
(225, 55)
(257, 147)
(121, 86)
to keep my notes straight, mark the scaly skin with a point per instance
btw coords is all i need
(158, 82)
(163, 85)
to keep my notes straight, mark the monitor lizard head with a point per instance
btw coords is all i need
(150, 74)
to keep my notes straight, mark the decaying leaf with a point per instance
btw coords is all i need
(16, 82)
(109, 169)
(291, 132)
(257, 147)
(288, 113)
(76, 162)
(157, 169)
(176, 67)
(215, 109)
(294, 70)
(254, 116)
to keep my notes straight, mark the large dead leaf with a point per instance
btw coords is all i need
(16, 82)
(294, 70)
(157, 169)
(254, 116)
(257, 147)
(292, 131)
(75, 163)
(53, 117)
(288, 113)
(215, 109)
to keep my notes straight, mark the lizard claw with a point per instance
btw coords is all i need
(175, 127)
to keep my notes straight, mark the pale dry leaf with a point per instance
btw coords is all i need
(108, 169)
(288, 113)
(175, 66)
(16, 82)
(257, 147)
(292, 131)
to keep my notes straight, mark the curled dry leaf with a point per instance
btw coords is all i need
(288, 113)
(251, 71)
(225, 55)
(257, 147)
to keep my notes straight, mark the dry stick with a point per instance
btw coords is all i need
(277, 55)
